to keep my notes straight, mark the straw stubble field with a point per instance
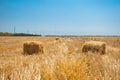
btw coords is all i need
(62, 59)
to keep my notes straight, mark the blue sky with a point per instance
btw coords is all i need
(61, 17)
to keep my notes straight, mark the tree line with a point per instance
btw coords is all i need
(17, 34)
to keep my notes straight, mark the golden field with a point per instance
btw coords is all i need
(62, 59)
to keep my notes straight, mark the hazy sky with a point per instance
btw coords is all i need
(64, 17)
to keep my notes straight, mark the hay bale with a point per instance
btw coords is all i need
(94, 47)
(57, 38)
(31, 47)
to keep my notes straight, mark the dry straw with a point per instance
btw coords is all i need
(94, 47)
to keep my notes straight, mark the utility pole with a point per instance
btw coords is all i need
(14, 29)
(27, 31)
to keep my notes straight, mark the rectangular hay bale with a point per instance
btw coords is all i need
(94, 47)
(32, 47)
